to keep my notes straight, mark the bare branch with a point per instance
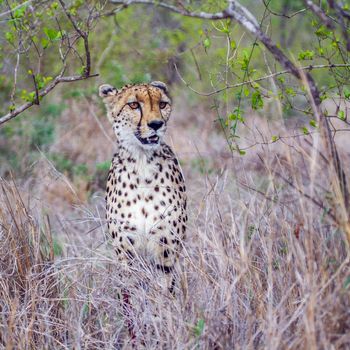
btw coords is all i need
(265, 77)
(184, 12)
(59, 79)
(283, 14)
(84, 35)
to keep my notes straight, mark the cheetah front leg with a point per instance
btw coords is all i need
(124, 250)
(166, 249)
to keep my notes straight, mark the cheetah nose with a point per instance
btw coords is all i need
(155, 124)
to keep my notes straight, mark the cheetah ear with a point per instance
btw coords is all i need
(107, 90)
(160, 85)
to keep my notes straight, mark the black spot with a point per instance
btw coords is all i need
(163, 240)
(144, 212)
(132, 241)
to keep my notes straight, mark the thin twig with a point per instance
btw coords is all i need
(249, 82)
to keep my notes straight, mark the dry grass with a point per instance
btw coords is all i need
(264, 264)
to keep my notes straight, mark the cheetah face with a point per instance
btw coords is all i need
(139, 113)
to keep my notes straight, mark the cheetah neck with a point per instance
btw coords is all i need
(139, 159)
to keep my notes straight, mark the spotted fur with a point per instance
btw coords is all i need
(146, 195)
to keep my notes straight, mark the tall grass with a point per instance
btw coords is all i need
(264, 266)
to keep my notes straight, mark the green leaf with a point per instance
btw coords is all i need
(305, 130)
(199, 328)
(19, 13)
(206, 43)
(45, 43)
(52, 34)
(274, 138)
(290, 91)
(236, 115)
(341, 115)
(10, 37)
(306, 55)
(257, 101)
(313, 123)
(346, 93)
(322, 32)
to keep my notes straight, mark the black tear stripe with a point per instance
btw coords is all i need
(139, 124)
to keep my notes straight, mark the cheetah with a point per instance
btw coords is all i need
(145, 192)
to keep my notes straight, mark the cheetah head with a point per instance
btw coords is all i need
(139, 113)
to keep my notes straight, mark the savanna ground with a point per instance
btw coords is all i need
(265, 264)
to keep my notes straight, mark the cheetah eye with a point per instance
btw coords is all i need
(162, 105)
(134, 105)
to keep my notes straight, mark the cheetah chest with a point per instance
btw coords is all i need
(145, 202)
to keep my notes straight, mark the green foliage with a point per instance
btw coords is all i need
(199, 328)
(306, 55)
(104, 166)
(52, 34)
(202, 165)
(257, 101)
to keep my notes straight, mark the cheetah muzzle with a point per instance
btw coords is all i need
(146, 198)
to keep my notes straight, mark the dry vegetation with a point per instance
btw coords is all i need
(264, 265)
